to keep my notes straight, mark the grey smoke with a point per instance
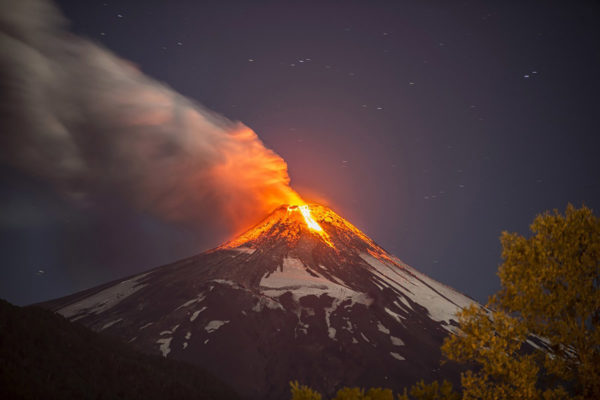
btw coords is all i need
(94, 125)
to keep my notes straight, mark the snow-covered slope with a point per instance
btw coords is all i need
(303, 295)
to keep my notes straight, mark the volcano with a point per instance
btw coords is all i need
(303, 295)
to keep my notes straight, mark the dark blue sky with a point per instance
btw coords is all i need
(432, 126)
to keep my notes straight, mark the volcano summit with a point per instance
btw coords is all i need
(302, 295)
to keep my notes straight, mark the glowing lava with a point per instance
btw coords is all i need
(289, 222)
(311, 223)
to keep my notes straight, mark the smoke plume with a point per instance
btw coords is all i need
(93, 125)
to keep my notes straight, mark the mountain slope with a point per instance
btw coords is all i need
(44, 356)
(302, 295)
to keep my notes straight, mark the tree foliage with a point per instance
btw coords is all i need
(550, 296)
(359, 394)
(303, 392)
(420, 391)
(539, 336)
(432, 391)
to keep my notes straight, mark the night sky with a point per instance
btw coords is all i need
(432, 126)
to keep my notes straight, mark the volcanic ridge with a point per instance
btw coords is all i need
(303, 295)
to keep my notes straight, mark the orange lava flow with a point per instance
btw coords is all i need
(311, 223)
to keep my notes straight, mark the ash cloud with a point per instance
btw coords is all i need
(94, 126)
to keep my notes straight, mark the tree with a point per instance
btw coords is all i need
(420, 391)
(539, 336)
(432, 391)
(549, 296)
(359, 394)
(303, 392)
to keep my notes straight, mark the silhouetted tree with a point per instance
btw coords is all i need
(539, 336)
(549, 296)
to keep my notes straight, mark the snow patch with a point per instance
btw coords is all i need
(188, 335)
(302, 327)
(266, 302)
(169, 332)
(104, 299)
(198, 299)
(165, 345)
(106, 326)
(396, 341)
(214, 325)
(196, 313)
(365, 338)
(294, 277)
(404, 301)
(225, 282)
(145, 325)
(185, 345)
(397, 356)
(245, 250)
(382, 328)
(379, 285)
(396, 316)
(348, 326)
(441, 302)
(331, 330)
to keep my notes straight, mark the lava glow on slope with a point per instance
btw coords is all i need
(287, 223)
(311, 223)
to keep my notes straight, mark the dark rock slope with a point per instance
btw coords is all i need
(44, 356)
(302, 295)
